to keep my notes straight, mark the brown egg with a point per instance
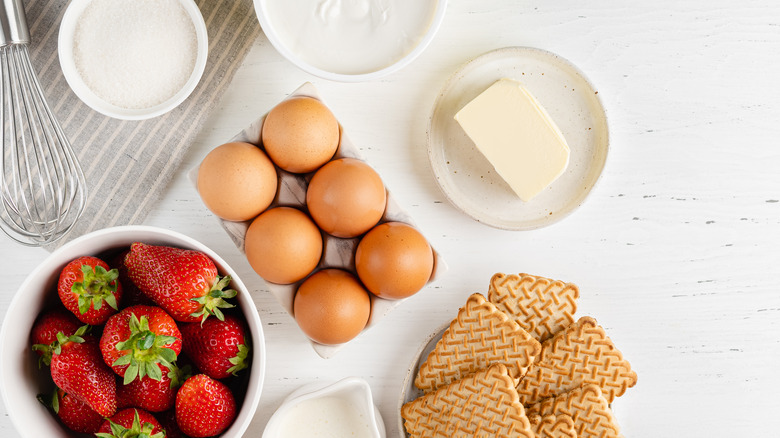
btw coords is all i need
(283, 245)
(237, 181)
(331, 306)
(346, 197)
(300, 134)
(394, 260)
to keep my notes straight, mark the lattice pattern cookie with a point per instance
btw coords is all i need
(482, 405)
(541, 306)
(579, 355)
(481, 335)
(588, 409)
(553, 426)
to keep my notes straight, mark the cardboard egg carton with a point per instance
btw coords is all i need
(336, 252)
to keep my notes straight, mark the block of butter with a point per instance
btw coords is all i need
(517, 136)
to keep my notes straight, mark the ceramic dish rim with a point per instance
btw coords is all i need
(447, 190)
(276, 42)
(86, 95)
(411, 372)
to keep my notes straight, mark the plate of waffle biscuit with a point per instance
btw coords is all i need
(516, 364)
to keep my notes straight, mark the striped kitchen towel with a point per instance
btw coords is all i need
(128, 164)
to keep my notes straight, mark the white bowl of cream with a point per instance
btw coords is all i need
(321, 410)
(133, 60)
(350, 40)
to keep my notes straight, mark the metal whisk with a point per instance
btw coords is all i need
(42, 186)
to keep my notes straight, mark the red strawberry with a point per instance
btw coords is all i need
(140, 341)
(89, 290)
(77, 368)
(183, 282)
(131, 294)
(218, 348)
(152, 395)
(131, 423)
(45, 329)
(74, 414)
(204, 407)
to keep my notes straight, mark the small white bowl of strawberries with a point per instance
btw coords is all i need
(132, 331)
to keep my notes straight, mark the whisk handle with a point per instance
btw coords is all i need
(13, 23)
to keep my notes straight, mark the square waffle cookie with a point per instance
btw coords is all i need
(482, 405)
(553, 426)
(581, 354)
(541, 306)
(588, 409)
(478, 337)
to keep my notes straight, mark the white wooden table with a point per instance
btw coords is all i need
(677, 252)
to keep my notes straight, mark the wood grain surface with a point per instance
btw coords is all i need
(676, 252)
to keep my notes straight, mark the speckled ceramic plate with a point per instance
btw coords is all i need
(469, 180)
(410, 392)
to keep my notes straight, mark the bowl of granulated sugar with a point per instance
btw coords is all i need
(130, 59)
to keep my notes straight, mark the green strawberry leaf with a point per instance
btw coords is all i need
(240, 361)
(86, 273)
(111, 301)
(145, 350)
(50, 400)
(84, 304)
(214, 300)
(136, 430)
(45, 351)
(97, 285)
(75, 337)
(179, 375)
(163, 340)
(146, 341)
(123, 360)
(131, 372)
(118, 429)
(153, 371)
(222, 283)
(167, 355)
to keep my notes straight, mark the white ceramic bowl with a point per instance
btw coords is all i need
(80, 88)
(295, 58)
(20, 378)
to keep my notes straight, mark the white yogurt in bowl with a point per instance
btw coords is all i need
(350, 40)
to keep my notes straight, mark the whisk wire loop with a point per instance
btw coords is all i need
(43, 187)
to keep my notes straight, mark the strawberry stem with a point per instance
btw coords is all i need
(51, 400)
(145, 350)
(76, 337)
(240, 361)
(214, 300)
(97, 286)
(136, 430)
(179, 375)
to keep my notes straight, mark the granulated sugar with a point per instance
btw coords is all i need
(135, 54)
